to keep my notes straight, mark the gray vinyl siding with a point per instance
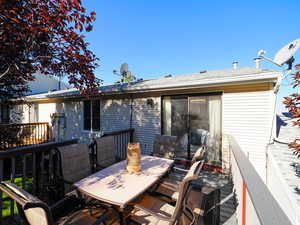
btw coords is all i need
(115, 115)
(146, 122)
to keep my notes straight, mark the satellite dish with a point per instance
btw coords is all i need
(287, 52)
(124, 68)
(285, 55)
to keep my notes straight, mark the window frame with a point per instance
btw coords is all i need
(91, 118)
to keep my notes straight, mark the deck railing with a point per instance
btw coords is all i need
(256, 204)
(17, 135)
(32, 168)
(122, 138)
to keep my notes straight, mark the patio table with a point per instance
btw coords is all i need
(115, 185)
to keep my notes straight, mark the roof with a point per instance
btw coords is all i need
(200, 79)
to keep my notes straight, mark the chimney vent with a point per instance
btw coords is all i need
(257, 62)
(235, 65)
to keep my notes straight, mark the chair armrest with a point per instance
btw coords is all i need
(149, 211)
(178, 169)
(65, 206)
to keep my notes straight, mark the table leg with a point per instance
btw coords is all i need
(121, 215)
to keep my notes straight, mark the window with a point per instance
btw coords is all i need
(33, 113)
(91, 114)
(4, 114)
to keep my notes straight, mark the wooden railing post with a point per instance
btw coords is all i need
(244, 202)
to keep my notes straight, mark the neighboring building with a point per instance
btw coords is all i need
(198, 108)
(283, 177)
(41, 84)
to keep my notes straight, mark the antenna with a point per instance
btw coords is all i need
(284, 56)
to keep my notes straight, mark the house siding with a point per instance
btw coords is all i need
(115, 116)
(246, 114)
(247, 117)
(146, 122)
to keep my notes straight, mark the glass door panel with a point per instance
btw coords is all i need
(175, 121)
(205, 126)
(196, 121)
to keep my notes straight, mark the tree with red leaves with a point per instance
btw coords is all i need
(44, 36)
(293, 105)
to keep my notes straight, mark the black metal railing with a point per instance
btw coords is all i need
(32, 168)
(17, 135)
(122, 138)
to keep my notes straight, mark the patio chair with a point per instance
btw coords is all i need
(168, 188)
(165, 146)
(150, 210)
(74, 164)
(106, 152)
(36, 212)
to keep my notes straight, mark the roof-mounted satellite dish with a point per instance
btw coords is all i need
(124, 69)
(285, 55)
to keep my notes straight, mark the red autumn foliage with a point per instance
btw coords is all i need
(293, 105)
(43, 35)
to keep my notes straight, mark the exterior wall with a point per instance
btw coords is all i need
(45, 110)
(115, 115)
(19, 114)
(247, 116)
(146, 122)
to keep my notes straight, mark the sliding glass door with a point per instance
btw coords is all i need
(196, 121)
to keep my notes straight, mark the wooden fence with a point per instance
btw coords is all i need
(17, 135)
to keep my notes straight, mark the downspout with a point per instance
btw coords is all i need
(131, 111)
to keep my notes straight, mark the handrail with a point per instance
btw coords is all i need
(21, 124)
(266, 207)
(34, 149)
(114, 133)
(15, 135)
(121, 140)
(35, 167)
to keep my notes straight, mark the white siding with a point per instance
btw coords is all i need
(247, 117)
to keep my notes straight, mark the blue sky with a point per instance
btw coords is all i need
(157, 38)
